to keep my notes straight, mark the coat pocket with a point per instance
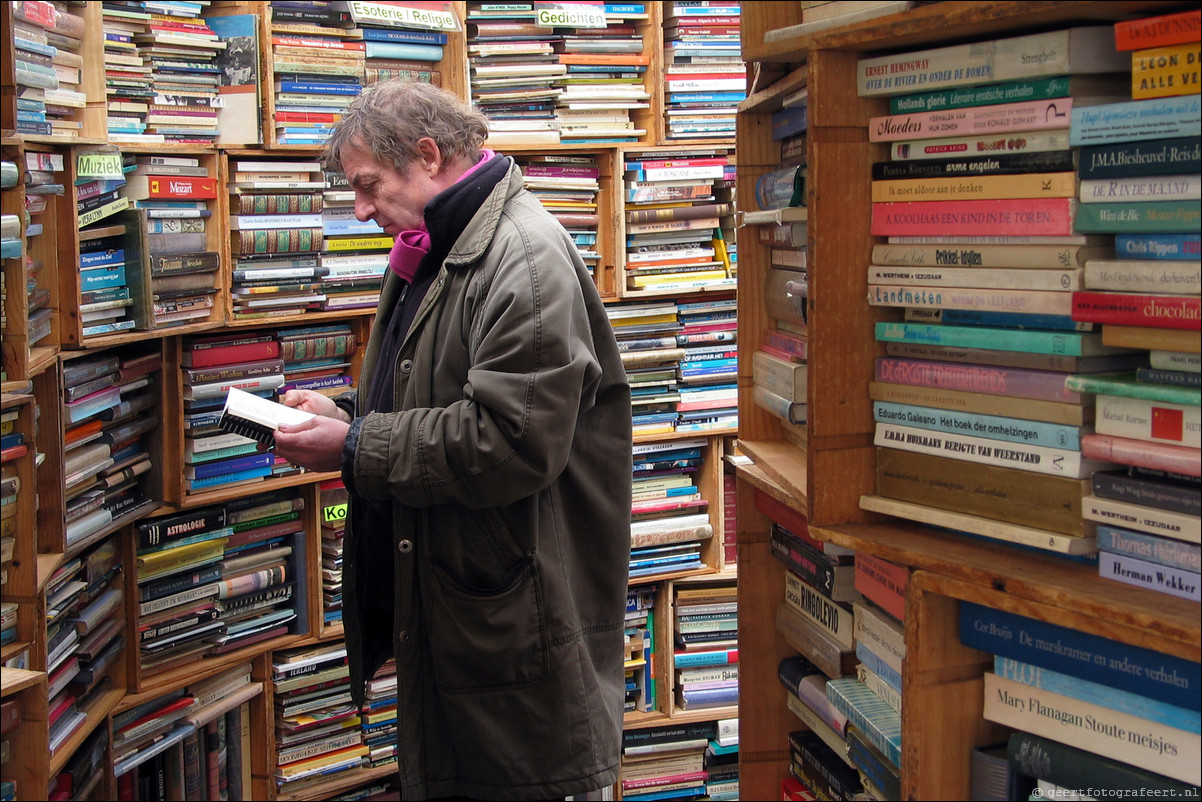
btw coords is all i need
(487, 639)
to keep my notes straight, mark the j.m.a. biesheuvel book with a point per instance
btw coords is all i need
(257, 418)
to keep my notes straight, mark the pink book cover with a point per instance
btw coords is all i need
(1138, 309)
(1047, 385)
(1032, 217)
(1142, 453)
(1006, 117)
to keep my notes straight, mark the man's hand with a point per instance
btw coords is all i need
(314, 402)
(315, 444)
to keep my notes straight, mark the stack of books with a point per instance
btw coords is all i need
(640, 646)
(819, 758)
(705, 77)
(604, 59)
(181, 51)
(722, 761)
(194, 740)
(84, 770)
(104, 237)
(333, 531)
(985, 253)
(408, 47)
(379, 717)
(706, 371)
(318, 729)
(665, 762)
(1078, 699)
(514, 72)
(649, 337)
(110, 408)
(176, 283)
(317, 358)
(669, 516)
(674, 241)
(239, 95)
(276, 236)
(567, 187)
(211, 366)
(48, 66)
(43, 182)
(706, 618)
(84, 622)
(127, 78)
(218, 578)
(354, 251)
(317, 58)
(1140, 181)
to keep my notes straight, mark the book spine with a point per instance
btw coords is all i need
(1141, 188)
(1154, 276)
(1154, 118)
(1009, 117)
(879, 722)
(987, 95)
(1143, 419)
(1158, 748)
(1056, 280)
(814, 572)
(1164, 71)
(877, 663)
(832, 618)
(946, 147)
(880, 633)
(1170, 679)
(1018, 430)
(986, 379)
(1143, 157)
(1127, 309)
(1021, 456)
(1120, 486)
(877, 684)
(883, 583)
(1029, 217)
(1157, 31)
(1169, 217)
(1070, 767)
(978, 256)
(1143, 519)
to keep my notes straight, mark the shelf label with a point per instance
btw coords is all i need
(570, 15)
(99, 165)
(431, 16)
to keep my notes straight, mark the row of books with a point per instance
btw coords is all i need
(48, 68)
(15, 455)
(571, 74)
(685, 761)
(1020, 421)
(704, 74)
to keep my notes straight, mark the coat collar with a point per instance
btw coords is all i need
(478, 233)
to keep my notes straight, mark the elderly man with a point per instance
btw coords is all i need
(487, 454)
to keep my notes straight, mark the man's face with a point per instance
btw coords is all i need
(394, 200)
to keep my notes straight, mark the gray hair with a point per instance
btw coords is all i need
(391, 116)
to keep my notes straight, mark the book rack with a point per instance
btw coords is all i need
(822, 472)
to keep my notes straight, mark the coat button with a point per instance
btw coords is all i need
(403, 636)
(406, 366)
(405, 546)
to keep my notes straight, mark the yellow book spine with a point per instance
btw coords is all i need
(358, 243)
(1166, 71)
(984, 187)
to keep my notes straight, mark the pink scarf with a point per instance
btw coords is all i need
(412, 245)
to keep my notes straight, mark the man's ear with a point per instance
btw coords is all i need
(429, 156)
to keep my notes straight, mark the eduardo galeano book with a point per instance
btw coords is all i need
(1099, 729)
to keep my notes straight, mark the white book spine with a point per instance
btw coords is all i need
(881, 633)
(1109, 733)
(834, 620)
(1143, 419)
(877, 685)
(1037, 459)
(982, 277)
(1177, 525)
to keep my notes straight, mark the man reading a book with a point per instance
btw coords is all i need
(487, 453)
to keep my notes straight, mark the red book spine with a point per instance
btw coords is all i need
(1044, 217)
(1142, 453)
(1136, 309)
(306, 116)
(232, 354)
(1168, 29)
(186, 188)
(883, 583)
(299, 41)
(787, 517)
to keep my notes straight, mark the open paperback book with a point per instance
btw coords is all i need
(257, 418)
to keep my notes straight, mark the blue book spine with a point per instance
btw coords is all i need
(679, 793)
(1170, 679)
(789, 121)
(1012, 320)
(878, 773)
(1177, 377)
(102, 278)
(1187, 247)
(207, 471)
(101, 258)
(1067, 343)
(1144, 158)
(1155, 118)
(398, 35)
(711, 696)
(873, 662)
(622, 9)
(867, 711)
(228, 478)
(338, 228)
(722, 657)
(1014, 430)
(706, 97)
(1113, 698)
(403, 51)
(309, 88)
(1150, 575)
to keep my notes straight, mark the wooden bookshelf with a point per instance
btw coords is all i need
(39, 370)
(824, 479)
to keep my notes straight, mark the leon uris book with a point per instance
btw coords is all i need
(1170, 679)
